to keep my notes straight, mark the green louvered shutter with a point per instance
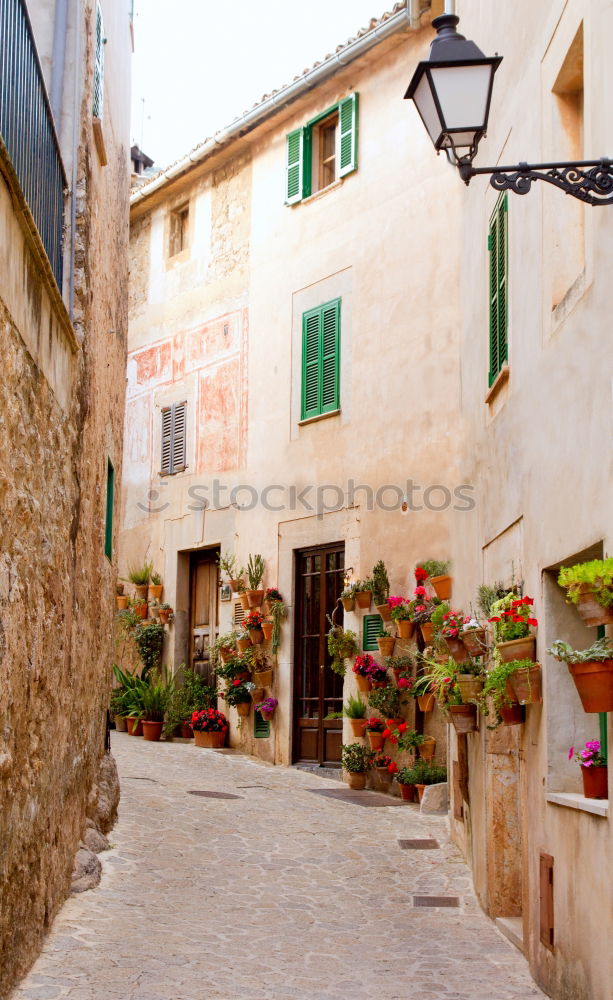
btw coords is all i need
(372, 628)
(321, 359)
(330, 356)
(497, 244)
(311, 322)
(293, 182)
(348, 124)
(98, 102)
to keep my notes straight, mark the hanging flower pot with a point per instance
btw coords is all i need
(135, 726)
(363, 683)
(363, 599)
(243, 707)
(258, 694)
(427, 632)
(155, 591)
(152, 730)
(141, 609)
(385, 611)
(427, 749)
(257, 636)
(226, 653)
(263, 678)
(475, 641)
(375, 740)
(243, 643)
(526, 684)
(426, 702)
(141, 590)
(442, 586)
(357, 726)
(513, 715)
(348, 603)
(595, 781)
(211, 741)
(470, 686)
(267, 715)
(463, 718)
(405, 628)
(594, 683)
(122, 602)
(164, 614)
(517, 649)
(235, 585)
(386, 644)
(407, 792)
(457, 649)
(267, 628)
(255, 598)
(591, 611)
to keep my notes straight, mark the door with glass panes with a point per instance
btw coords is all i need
(318, 691)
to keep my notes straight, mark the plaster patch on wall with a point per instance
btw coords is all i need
(219, 418)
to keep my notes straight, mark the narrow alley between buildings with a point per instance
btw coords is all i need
(270, 892)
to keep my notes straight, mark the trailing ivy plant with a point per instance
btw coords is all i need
(149, 640)
(342, 644)
(495, 688)
(278, 611)
(386, 700)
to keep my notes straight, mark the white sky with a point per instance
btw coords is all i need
(200, 63)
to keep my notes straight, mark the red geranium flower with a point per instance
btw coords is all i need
(393, 767)
(402, 727)
(386, 734)
(420, 574)
(236, 682)
(532, 621)
(420, 591)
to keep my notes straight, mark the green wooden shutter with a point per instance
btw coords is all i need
(261, 727)
(497, 244)
(321, 359)
(166, 462)
(348, 124)
(330, 356)
(311, 322)
(110, 502)
(98, 103)
(293, 182)
(372, 628)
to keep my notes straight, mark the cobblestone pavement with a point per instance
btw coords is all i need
(277, 895)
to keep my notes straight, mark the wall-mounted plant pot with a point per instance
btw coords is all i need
(475, 641)
(122, 602)
(386, 644)
(209, 741)
(348, 603)
(244, 600)
(243, 643)
(442, 586)
(385, 611)
(267, 715)
(526, 685)
(164, 614)
(263, 678)
(378, 684)
(426, 702)
(357, 726)
(257, 695)
(155, 591)
(235, 585)
(255, 598)
(595, 781)
(140, 590)
(363, 599)
(407, 792)
(427, 749)
(470, 686)
(420, 791)
(243, 708)
(257, 636)
(463, 718)
(141, 610)
(457, 649)
(375, 740)
(152, 730)
(513, 715)
(267, 628)
(517, 649)
(405, 628)
(362, 683)
(119, 587)
(594, 683)
(427, 632)
(135, 726)
(226, 653)
(590, 610)
(356, 780)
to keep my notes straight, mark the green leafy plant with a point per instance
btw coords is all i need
(237, 664)
(437, 616)
(486, 596)
(355, 758)
(127, 620)
(226, 641)
(155, 579)
(256, 659)
(229, 565)
(354, 707)
(374, 725)
(333, 715)
(596, 575)
(402, 663)
(342, 644)
(380, 583)
(512, 617)
(387, 700)
(435, 567)
(363, 585)
(495, 688)
(140, 575)
(278, 611)
(155, 697)
(190, 694)
(239, 692)
(255, 571)
(133, 686)
(599, 651)
(422, 772)
(149, 640)
(349, 591)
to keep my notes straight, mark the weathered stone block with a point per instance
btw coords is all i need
(436, 798)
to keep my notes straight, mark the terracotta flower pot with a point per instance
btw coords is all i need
(267, 628)
(244, 599)
(357, 726)
(119, 588)
(407, 792)
(385, 611)
(457, 649)
(427, 749)
(226, 653)
(258, 694)
(356, 779)
(243, 708)
(141, 610)
(427, 631)
(513, 715)
(234, 585)
(267, 715)
(420, 791)
(164, 614)
(594, 683)
(152, 730)
(526, 685)
(122, 602)
(135, 727)
(209, 741)
(426, 702)
(263, 678)
(517, 649)
(243, 644)
(348, 603)
(363, 683)
(243, 676)
(470, 686)
(386, 644)
(255, 598)
(591, 611)
(375, 740)
(257, 636)
(363, 599)
(121, 725)
(405, 628)
(442, 586)
(475, 641)
(464, 718)
(155, 591)
(186, 731)
(141, 590)
(595, 781)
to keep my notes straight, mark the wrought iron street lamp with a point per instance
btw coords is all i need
(452, 91)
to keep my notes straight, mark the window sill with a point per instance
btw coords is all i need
(321, 192)
(501, 379)
(572, 800)
(320, 416)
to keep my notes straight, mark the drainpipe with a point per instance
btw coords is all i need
(58, 60)
(415, 8)
(450, 6)
(76, 119)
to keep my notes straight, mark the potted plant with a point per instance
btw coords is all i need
(253, 625)
(140, 608)
(267, 627)
(386, 643)
(224, 647)
(155, 587)
(401, 667)
(512, 619)
(272, 596)
(427, 748)
(443, 680)
(438, 573)
(210, 728)
(342, 644)
(374, 728)
(121, 600)
(525, 681)
(451, 633)
(497, 690)
(243, 596)
(139, 576)
(400, 613)
(237, 666)
(592, 671)
(426, 773)
(424, 693)
(594, 770)
(243, 642)
(356, 760)
(155, 697)
(382, 766)
(405, 777)
(255, 573)
(407, 740)
(229, 565)
(422, 609)
(363, 594)
(354, 709)
(589, 586)
(116, 708)
(267, 708)
(348, 597)
(471, 680)
(474, 637)
(260, 666)
(381, 590)
(239, 695)
(387, 700)
(364, 667)
(278, 611)
(165, 612)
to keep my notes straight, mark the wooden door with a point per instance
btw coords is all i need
(318, 691)
(204, 621)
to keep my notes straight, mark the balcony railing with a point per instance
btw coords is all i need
(27, 129)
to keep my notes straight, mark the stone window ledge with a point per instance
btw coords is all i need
(501, 380)
(572, 800)
(320, 416)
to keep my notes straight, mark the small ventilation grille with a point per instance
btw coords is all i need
(261, 727)
(239, 613)
(419, 845)
(372, 629)
(436, 901)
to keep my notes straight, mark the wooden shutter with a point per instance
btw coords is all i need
(321, 359)
(178, 436)
(98, 103)
(348, 125)
(546, 900)
(330, 359)
(261, 727)
(166, 463)
(311, 323)
(372, 628)
(293, 182)
(497, 244)
(110, 502)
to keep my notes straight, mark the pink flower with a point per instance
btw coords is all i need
(571, 752)
(420, 591)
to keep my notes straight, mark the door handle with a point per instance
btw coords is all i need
(322, 666)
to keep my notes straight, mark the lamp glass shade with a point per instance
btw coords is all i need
(427, 108)
(463, 93)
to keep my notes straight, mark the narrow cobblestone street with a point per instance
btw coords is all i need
(277, 894)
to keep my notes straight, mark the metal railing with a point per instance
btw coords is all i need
(27, 129)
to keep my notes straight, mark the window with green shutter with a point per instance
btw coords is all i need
(498, 247)
(110, 502)
(98, 102)
(321, 329)
(324, 150)
(372, 628)
(261, 726)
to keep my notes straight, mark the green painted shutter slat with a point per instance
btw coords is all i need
(498, 247)
(110, 503)
(348, 125)
(261, 727)
(321, 359)
(294, 166)
(502, 281)
(372, 628)
(311, 322)
(330, 328)
(493, 251)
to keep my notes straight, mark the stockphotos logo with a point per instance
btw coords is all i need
(318, 498)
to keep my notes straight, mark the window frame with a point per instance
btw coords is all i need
(322, 409)
(304, 163)
(498, 291)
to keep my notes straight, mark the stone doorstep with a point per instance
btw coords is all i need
(513, 930)
(331, 773)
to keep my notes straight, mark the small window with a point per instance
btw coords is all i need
(321, 360)
(179, 225)
(173, 439)
(498, 244)
(371, 630)
(324, 162)
(322, 151)
(110, 501)
(98, 103)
